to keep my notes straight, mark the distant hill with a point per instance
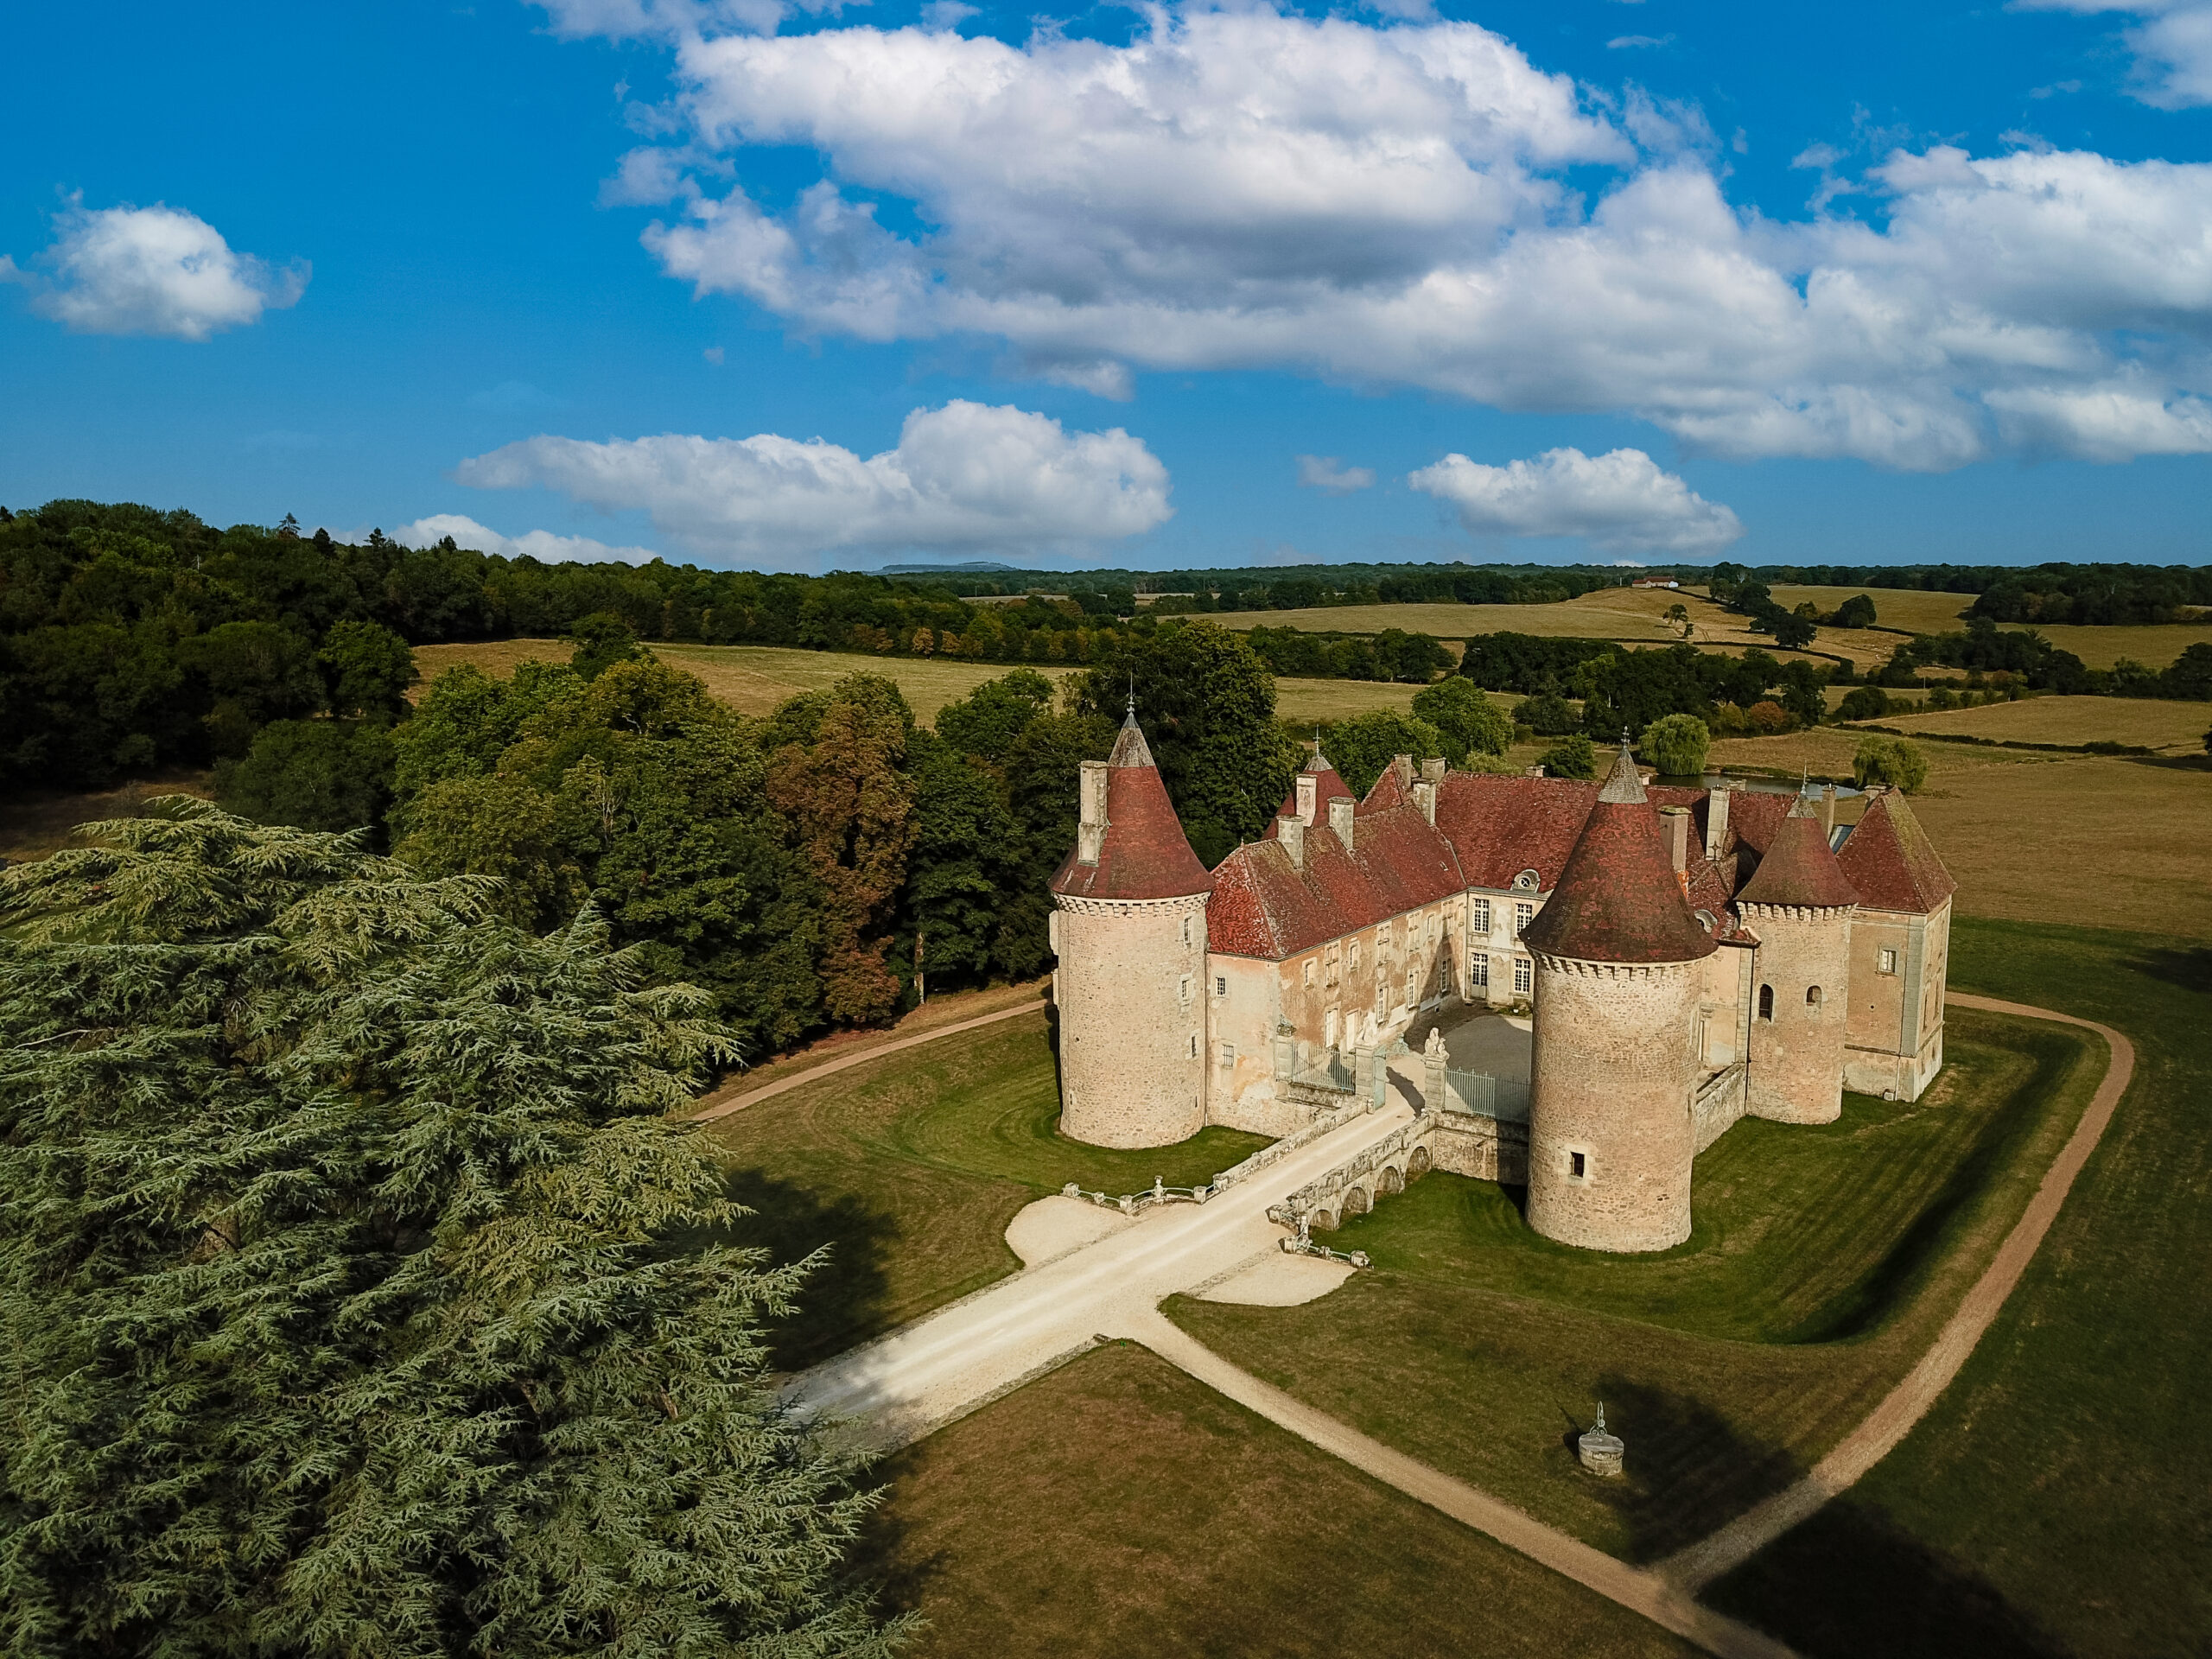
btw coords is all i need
(972, 568)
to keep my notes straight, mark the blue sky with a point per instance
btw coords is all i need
(1657, 282)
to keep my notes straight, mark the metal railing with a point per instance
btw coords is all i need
(1505, 1099)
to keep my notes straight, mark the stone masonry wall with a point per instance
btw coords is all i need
(1804, 960)
(1132, 1000)
(1894, 1041)
(1612, 1076)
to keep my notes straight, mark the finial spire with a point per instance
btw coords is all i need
(1132, 719)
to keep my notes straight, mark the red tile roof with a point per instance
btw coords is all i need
(1262, 907)
(1798, 869)
(1502, 826)
(1890, 860)
(1617, 898)
(1145, 854)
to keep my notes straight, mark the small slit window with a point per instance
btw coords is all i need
(1766, 1001)
(1812, 997)
(1578, 1165)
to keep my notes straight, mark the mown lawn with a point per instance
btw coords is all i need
(1118, 1506)
(2058, 1499)
(910, 1169)
(1823, 1260)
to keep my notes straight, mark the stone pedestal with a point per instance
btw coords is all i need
(1600, 1452)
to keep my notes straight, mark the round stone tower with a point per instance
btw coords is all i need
(1800, 904)
(1613, 1068)
(1130, 927)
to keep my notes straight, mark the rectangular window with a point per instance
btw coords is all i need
(1354, 956)
(1187, 930)
(1522, 915)
(1183, 991)
(1228, 1055)
(1523, 977)
(1331, 960)
(1194, 1045)
(1309, 972)
(1478, 915)
(1220, 985)
(1578, 1165)
(1479, 971)
(1886, 961)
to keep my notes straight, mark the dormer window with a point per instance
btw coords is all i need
(1526, 881)
(1707, 921)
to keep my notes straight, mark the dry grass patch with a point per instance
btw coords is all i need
(1913, 609)
(37, 822)
(753, 679)
(1302, 701)
(1119, 1507)
(1633, 616)
(2139, 721)
(2154, 647)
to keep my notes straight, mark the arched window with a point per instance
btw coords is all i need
(1766, 1001)
(1812, 997)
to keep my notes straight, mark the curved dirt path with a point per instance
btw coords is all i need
(1906, 1404)
(859, 1057)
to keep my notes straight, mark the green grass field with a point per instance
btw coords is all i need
(1118, 1506)
(1823, 1263)
(910, 1169)
(2055, 1501)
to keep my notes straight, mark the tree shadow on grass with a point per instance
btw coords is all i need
(843, 1300)
(1891, 1281)
(884, 1556)
(1851, 1582)
(1687, 1471)
(2190, 967)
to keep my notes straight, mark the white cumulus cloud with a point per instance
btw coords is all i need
(2171, 41)
(965, 476)
(1322, 472)
(1621, 502)
(1397, 205)
(151, 271)
(540, 544)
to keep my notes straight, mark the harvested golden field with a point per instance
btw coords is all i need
(37, 822)
(2018, 829)
(2154, 647)
(1632, 615)
(1302, 700)
(753, 679)
(1913, 609)
(2178, 726)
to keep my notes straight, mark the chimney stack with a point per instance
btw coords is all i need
(1716, 824)
(1090, 827)
(1675, 826)
(1828, 810)
(1403, 765)
(1291, 831)
(1307, 784)
(1425, 799)
(1432, 770)
(1340, 820)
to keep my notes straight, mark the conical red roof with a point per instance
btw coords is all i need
(1891, 862)
(1798, 869)
(1617, 898)
(1144, 853)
